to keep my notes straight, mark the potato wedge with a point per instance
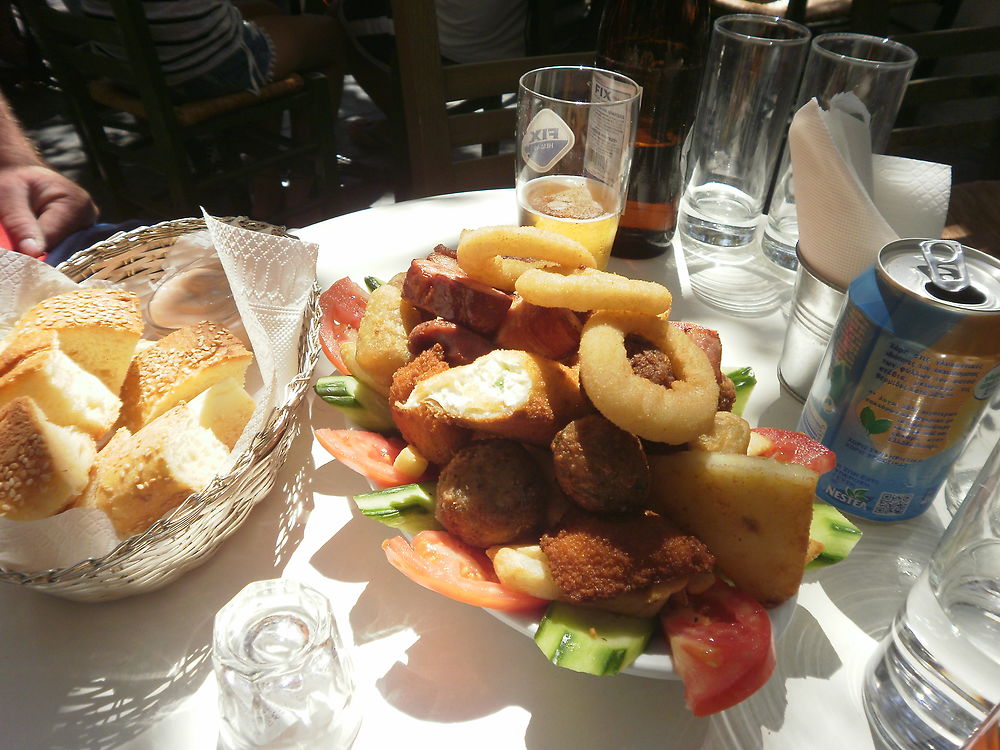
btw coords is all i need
(752, 512)
(384, 333)
(524, 567)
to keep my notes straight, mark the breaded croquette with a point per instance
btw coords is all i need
(599, 557)
(491, 493)
(602, 467)
(432, 433)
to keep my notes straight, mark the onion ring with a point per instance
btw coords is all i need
(499, 255)
(674, 415)
(589, 289)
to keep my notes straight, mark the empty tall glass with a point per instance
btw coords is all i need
(746, 98)
(937, 674)
(875, 72)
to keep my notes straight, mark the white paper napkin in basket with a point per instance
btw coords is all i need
(271, 278)
(850, 202)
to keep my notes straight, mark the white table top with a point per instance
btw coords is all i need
(136, 673)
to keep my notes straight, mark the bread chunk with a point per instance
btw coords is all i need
(97, 328)
(139, 478)
(43, 467)
(67, 394)
(177, 368)
(225, 409)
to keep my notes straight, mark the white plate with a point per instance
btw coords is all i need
(382, 241)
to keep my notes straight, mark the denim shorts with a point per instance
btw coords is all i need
(247, 69)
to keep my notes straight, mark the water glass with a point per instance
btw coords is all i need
(985, 435)
(746, 99)
(285, 680)
(868, 74)
(937, 674)
(575, 130)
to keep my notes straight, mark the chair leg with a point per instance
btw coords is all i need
(322, 119)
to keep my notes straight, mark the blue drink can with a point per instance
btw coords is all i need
(913, 360)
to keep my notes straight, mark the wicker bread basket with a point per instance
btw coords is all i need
(187, 536)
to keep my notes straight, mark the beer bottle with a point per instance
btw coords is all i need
(662, 46)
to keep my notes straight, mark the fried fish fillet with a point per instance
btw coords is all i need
(595, 558)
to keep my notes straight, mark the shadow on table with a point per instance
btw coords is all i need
(871, 584)
(97, 675)
(466, 665)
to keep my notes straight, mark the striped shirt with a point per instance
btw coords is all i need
(191, 36)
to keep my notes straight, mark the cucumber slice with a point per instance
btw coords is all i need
(744, 380)
(591, 640)
(373, 283)
(409, 507)
(837, 534)
(360, 403)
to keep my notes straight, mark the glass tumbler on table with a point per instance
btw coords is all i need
(871, 69)
(937, 674)
(754, 64)
(575, 128)
(285, 680)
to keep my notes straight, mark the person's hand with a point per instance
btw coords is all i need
(39, 207)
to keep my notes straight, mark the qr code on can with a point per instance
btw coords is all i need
(892, 503)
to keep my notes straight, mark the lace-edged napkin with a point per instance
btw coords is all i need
(271, 278)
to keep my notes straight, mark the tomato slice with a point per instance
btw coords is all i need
(368, 453)
(440, 562)
(722, 647)
(331, 335)
(342, 305)
(792, 448)
(344, 301)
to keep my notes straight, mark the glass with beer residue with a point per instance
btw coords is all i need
(575, 130)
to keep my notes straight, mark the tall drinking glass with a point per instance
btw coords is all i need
(747, 93)
(575, 130)
(937, 674)
(875, 71)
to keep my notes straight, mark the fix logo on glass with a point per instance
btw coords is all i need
(549, 140)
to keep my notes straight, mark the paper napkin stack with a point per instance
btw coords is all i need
(850, 202)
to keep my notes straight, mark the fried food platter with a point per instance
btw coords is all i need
(411, 230)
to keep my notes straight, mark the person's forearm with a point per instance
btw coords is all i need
(15, 148)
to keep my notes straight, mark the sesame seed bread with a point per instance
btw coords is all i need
(67, 394)
(43, 467)
(140, 477)
(97, 328)
(225, 409)
(177, 368)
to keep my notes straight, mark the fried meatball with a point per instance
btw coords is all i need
(600, 557)
(491, 493)
(647, 361)
(602, 467)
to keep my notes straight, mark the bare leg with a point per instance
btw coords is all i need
(301, 43)
(307, 42)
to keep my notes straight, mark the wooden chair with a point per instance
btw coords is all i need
(435, 136)
(948, 110)
(205, 152)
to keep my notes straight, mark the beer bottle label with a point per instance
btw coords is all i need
(549, 140)
(608, 127)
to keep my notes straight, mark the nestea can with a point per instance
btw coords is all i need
(913, 359)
